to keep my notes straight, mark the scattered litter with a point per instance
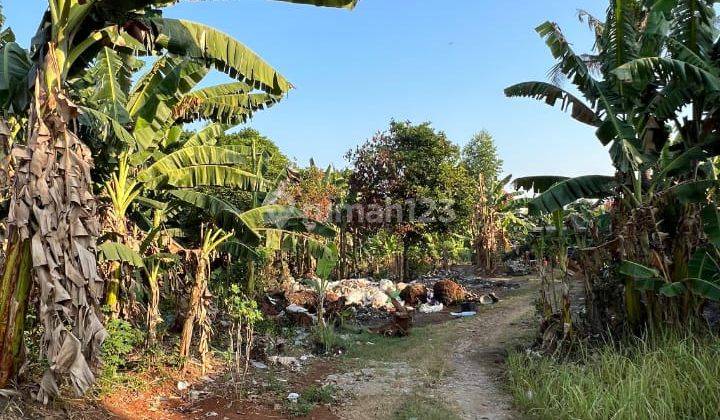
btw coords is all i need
(9, 393)
(211, 414)
(207, 379)
(379, 300)
(427, 308)
(489, 299)
(285, 361)
(387, 286)
(182, 385)
(296, 309)
(195, 395)
(517, 268)
(258, 365)
(463, 314)
(293, 396)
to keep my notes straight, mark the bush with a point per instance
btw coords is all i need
(668, 377)
(122, 339)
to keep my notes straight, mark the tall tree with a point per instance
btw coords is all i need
(480, 157)
(276, 163)
(403, 180)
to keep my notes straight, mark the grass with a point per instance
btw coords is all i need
(309, 398)
(672, 376)
(327, 339)
(423, 408)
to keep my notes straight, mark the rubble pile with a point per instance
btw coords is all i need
(518, 268)
(414, 294)
(448, 292)
(376, 302)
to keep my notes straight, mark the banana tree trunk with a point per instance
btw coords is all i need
(112, 300)
(14, 293)
(153, 311)
(194, 308)
(251, 277)
(53, 209)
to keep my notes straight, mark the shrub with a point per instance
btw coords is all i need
(122, 339)
(310, 397)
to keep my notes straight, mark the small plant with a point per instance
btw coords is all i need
(122, 339)
(327, 338)
(244, 314)
(310, 397)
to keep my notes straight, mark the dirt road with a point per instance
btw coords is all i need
(452, 370)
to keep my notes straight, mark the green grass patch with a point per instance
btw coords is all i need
(419, 407)
(667, 377)
(309, 398)
(421, 341)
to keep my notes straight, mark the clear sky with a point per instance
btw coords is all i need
(444, 61)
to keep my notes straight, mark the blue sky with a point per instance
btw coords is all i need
(444, 61)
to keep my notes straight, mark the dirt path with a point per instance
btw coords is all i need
(453, 370)
(473, 386)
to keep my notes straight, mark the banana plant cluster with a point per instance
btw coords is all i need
(650, 89)
(75, 84)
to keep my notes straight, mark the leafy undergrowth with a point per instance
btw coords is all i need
(667, 377)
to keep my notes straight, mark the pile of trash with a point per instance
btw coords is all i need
(518, 268)
(299, 302)
(367, 293)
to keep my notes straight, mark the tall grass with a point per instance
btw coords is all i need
(664, 378)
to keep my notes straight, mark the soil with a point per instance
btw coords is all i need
(462, 371)
(471, 386)
(474, 388)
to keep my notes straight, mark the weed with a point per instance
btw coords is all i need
(310, 397)
(327, 338)
(673, 376)
(422, 408)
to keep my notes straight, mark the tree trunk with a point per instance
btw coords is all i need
(251, 277)
(354, 256)
(343, 269)
(153, 311)
(53, 209)
(113, 290)
(193, 308)
(15, 290)
(405, 272)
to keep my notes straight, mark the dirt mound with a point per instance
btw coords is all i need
(448, 292)
(414, 294)
(305, 298)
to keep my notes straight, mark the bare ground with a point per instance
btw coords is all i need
(456, 371)
(446, 369)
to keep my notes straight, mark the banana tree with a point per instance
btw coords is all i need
(655, 59)
(161, 156)
(53, 212)
(496, 213)
(211, 240)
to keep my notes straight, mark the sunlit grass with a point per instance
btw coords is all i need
(664, 378)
